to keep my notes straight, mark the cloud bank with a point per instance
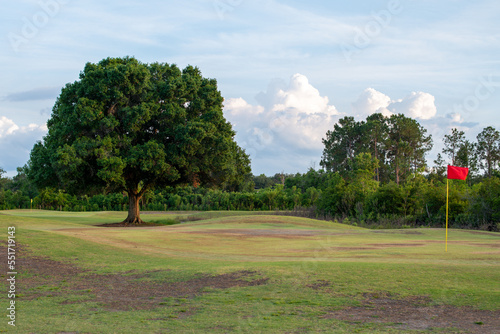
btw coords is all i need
(284, 130)
(418, 105)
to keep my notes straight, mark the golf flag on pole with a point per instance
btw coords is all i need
(457, 173)
(454, 173)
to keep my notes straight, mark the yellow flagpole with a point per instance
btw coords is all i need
(447, 187)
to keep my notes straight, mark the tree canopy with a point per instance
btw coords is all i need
(129, 126)
(399, 143)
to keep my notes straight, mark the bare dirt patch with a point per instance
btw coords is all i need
(414, 313)
(42, 277)
(405, 314)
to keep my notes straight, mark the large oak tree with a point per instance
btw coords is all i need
(129, 126)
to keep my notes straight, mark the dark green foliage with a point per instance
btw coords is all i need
(262, 181)
(3, 180)
(128, 126)
(387, 200)
(398, 143)
(375, 136)
(331, 200)
(16, 193)
(406, 147)
(341, 145)
(311, 179)
(452, 144)
(488, 142)
(239, 176)
(486, 203)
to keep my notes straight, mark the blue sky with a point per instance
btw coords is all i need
(288, 70)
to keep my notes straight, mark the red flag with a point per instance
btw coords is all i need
(457, 173)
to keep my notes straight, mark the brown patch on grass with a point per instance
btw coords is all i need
(372, 247)
(413, 313)
(491, 234)
(341, 249)
(319, 284)
(119, 292)
(456, 242)
(43, 277)
(384, 245)
(485, 245)
(273, 233)
(407, 314)
(462, 242)
(411, 232)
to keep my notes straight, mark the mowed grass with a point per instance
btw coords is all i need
(313, 268)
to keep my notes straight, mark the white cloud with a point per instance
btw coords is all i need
(455, 118)
(241, 112)
(16, 143)
(293, 117)
(7, 126)
(416, 105)
(303, 97)
(371, 102)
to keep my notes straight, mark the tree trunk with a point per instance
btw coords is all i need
(134, 217)
(397, 174)
(377, 175)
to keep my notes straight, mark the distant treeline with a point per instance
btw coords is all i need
(359, 200)
(375, 174)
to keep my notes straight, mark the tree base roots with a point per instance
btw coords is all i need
(133, 221)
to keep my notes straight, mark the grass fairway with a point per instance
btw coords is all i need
(246, 273)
